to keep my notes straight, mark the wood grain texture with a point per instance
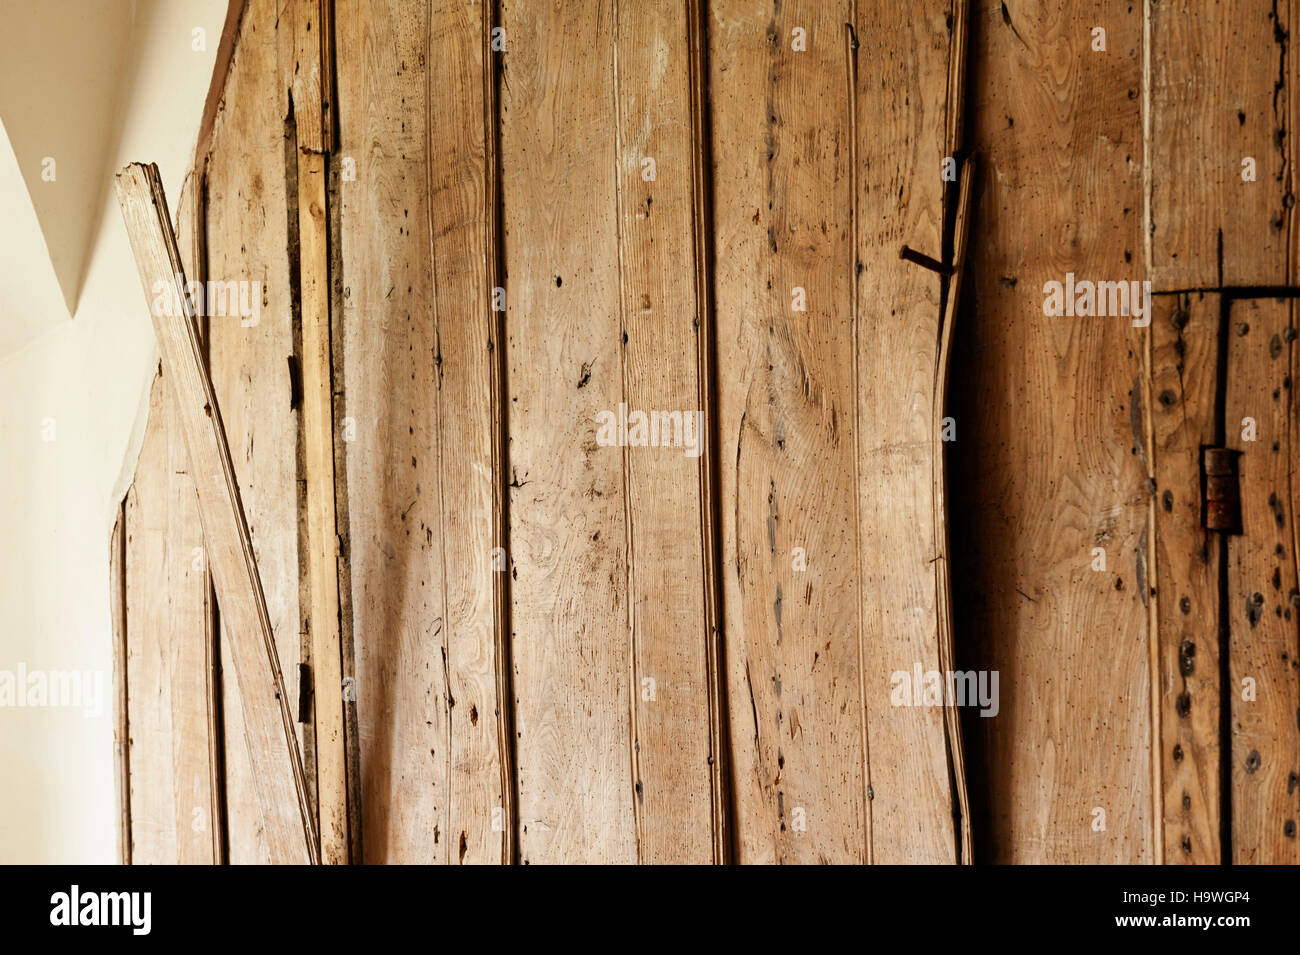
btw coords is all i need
(322, 533)
(247, 234)
(278, 776)
(674, 764)
(902, 129)
(1262, 589)
(1050, 458)
(1184, 383)
(166, 600)
(787, 419)
(1219, 93)
(166, 590)
(610, 635)
(418, 347)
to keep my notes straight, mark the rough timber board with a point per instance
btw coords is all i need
(272, 744)
(417, 361)
(247, 236)
(1263, 616)
(1049, 462)
(1217, 98)
(1184, 383)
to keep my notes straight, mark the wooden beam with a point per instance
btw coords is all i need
(229, 547)
(322, 530)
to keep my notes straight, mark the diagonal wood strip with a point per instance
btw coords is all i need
(230, 552)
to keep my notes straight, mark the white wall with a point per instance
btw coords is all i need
(58, 498)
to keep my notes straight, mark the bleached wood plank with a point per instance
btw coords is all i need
(423, 469)
(322, 532)
(228, 545)
(248, 237)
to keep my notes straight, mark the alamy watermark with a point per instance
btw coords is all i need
(952, 688)
(75, 689)
(652, 429)
(1086, 298)
(242, 300)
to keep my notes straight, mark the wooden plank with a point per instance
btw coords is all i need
(1184, 383)
(612, 641)
(121, 703)
(677, 816)
(1216, 99)
(1050, 458)
(310, 81)
(1264, 653)
(569, 528)
(786, 419)
(322, 533)
(901, 148)
(191, 240)
(228, 544)
(418, 352)
(248, 242)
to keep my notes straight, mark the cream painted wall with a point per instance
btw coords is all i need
(89, 377)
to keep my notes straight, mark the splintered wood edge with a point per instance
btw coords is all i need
(144, 209)
(943, 586)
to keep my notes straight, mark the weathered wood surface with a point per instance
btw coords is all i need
(773, 168)
(1050, 461)
(1184, 384)
(1262, 594)
(1221, 93)
(826, 424)
(247, 233)
(418, 345)
(164, 673)
(278, 774)
(610, 636)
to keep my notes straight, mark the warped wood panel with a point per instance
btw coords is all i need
(1050, 461)
(787, 420)
(166, 679)
(272, 742)
(418, 347)
(1184, 384)
(172, 786)
(1220, 99)
(1262, 587)
(251, 343)
(901, 130)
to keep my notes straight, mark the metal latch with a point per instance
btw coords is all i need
(1220, 490)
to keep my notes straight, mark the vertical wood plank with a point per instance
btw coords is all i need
(1262, 586)
(787, 420)
(672, 755)
(569, 527)
(247, 235)
(169, 779)
(1218, 97)
(418, 348)
(901, 126)
(1051, 462)
(1184, 385)
(322, 532)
